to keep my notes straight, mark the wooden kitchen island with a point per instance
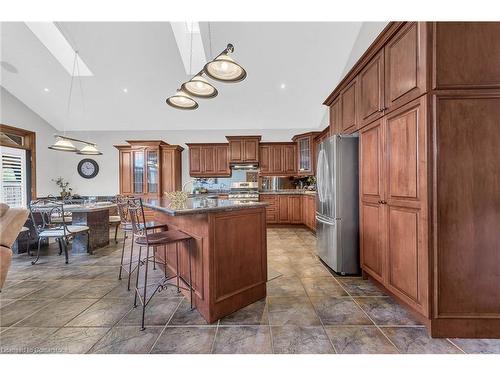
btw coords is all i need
(229, 250)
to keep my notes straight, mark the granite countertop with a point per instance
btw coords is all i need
(289, 191)
(202, 205)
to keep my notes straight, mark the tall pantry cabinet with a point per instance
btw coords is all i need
(426, 107)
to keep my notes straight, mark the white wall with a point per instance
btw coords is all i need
(14, 113)
(106, 182)
(367, 34)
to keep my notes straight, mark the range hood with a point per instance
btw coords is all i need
(245, 167)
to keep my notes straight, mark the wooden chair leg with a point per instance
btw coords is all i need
(116, 233)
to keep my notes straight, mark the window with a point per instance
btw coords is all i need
(13, 189)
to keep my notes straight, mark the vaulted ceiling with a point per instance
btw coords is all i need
(143, 58)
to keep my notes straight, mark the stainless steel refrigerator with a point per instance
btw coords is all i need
(337, 213)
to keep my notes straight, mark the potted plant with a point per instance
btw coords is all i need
(64, 186)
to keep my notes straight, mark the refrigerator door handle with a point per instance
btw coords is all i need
(327, 222)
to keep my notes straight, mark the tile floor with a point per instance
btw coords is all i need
(82, 308)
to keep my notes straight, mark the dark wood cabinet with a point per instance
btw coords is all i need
(429, 171)
(125, 165)
(291, 209)
(278, 159)
(348, 107)
(405, 65)
(476, 69)
(208, 160)
(335, 127)
(305, 153)
(290, 159)
(371, 90)
(309, 211)
(265, 159)
(243, 149)
(149, 168)
(393, 207)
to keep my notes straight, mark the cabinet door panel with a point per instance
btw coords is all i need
(371, 90)
(405, 65)
(335, 127)
(402, 168)
(208, 160)
(126, 172)
(283, 209)
(403, 251)
(236, 150)
(478, 67)
(194, 160)
(289, 159)
(222, 161)
(277, 159)
(372, 256)
(348, 107)
(264, 159)
(251, 150)
(371, 160)
(406, 156)
(295, 209)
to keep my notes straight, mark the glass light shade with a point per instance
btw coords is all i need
(63, 145)
(89, 150)
(181, 100)
(199, 87)
(225, 69)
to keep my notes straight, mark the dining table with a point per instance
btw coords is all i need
(96, 217)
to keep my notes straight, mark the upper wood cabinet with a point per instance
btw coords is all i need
(371, 90)
(278, 159)
(149, 168)
(335, 127)
(305, 153)
(348, 107)
(476, 69)
(405, 65)
(243, 149)
(209, 160)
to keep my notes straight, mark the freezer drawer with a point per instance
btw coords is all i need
(326, 237)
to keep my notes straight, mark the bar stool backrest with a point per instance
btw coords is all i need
(135, 211)
(43, 211)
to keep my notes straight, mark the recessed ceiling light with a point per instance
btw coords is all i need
(125, 90)
(46, 89)
(52, 38)
(282, 85)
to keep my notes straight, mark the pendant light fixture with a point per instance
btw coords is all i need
(64, 143)
(199, 87)
(223, 68)
(181, 100)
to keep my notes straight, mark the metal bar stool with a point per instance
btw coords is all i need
(155, 240)
(126, 226)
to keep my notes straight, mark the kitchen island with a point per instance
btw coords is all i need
(228, 250)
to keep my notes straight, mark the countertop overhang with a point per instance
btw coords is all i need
(193, 206)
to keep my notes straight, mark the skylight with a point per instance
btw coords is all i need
(183, 32)
(52, 38)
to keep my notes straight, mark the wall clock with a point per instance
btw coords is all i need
(88, 168)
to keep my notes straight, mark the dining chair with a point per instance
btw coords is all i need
(43, 212)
